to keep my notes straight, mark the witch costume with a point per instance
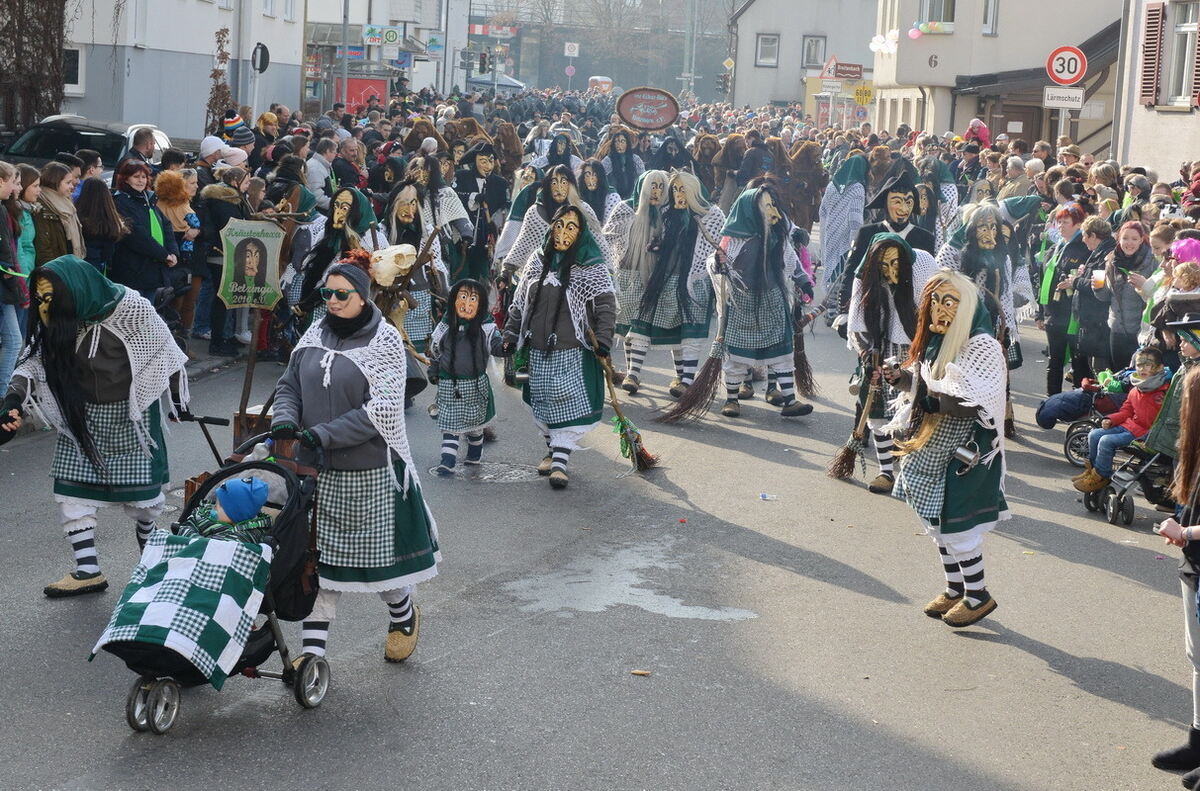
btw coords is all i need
(882, 320)
(459, 350)
(952, 469)
(565, 297)
(665, 295)
(106, 396)
(409, 222)
(755, 276)
(841, 215)
(343, 391)
(484, 194)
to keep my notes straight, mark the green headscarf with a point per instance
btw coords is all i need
(743, 221)
(981, 324)
(307, 205)
(366, 214)
(523, 201)
(896, 239)
(942, 172)
(94, 294)
(637, 191)
(853, 171)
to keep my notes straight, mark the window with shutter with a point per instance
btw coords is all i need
(1152, 45)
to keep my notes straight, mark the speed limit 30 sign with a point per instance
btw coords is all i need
(1067, 65)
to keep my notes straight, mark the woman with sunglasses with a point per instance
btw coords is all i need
(343, 395)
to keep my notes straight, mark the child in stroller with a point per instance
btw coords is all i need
(1083, 409)
(188, 615)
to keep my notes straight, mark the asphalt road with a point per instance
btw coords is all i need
(784, 637)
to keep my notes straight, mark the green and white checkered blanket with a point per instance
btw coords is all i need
(198, 597)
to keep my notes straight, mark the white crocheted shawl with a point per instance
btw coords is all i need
(154, 358)
(587, 283)
(384, 364)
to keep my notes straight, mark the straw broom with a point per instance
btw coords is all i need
(632, 447)
(694, 403)
(841, 466)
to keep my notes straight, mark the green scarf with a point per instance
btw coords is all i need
(94, 294)
(942, 172)
(522, 202)
(156, 231)
(637, 193)
(853, 171)
(307, 205)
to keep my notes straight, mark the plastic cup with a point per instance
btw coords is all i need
(1098, 278)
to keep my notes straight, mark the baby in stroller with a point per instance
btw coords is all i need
(234, 516)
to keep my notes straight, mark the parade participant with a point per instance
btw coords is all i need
(562, 316)
(100, 368)
(560, 152)
(621, 164)
(459, 350)
(952, 469)
(757, 273)
(408, 222)
(841, 215)
(525, 231)
(343, 393)
(669, 297)
(671, 155)
(882, 320)
(633, 238)
(596, 192)
(899, 201)
(442, 208)
(351, 226)
(485, 196)
(935, 172)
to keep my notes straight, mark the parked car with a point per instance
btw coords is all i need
(38, 144)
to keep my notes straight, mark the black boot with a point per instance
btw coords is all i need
(1191, 779)
(1180, 758)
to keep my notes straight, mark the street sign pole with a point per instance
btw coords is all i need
(345, 53)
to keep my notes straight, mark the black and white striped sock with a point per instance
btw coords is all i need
(313, 637)
(883, 450)
(636, 357)
(731, 390)
(787, 386)
(144, 529)
(401, 612)
(954, 577)
(474, 447)
(677, 358)
(449, 450)
(560, 457)
(83, 544)
(689, 371)
(972, 574)
(772, 380)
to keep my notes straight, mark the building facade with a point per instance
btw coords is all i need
(1159, 79)
(780, 47)
(987, 59)
(154, 66)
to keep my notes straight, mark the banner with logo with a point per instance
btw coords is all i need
(250, 276)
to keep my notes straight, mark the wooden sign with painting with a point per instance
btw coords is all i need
(648, 109)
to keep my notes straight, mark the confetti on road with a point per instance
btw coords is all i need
(639, 672)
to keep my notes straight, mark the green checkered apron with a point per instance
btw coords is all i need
(418, 322)
(565, 388)
(758, 327)
(471, 410)
(371, 536)
(196, 596)
(629, 296)
(928, 479)
(129, 474)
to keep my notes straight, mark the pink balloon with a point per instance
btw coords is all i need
(914, 34)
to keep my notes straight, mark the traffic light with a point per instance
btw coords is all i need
(723, 81)
(465, 61)
(483, 63)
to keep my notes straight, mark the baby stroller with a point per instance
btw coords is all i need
(1075, 445)
(1152, 471)
(167, 658)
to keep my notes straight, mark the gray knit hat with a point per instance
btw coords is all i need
(242, 136)
(357, 277)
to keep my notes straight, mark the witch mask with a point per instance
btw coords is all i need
(943, 307)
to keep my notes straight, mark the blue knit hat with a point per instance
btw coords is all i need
(242, 499)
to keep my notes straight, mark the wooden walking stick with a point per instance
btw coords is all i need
(632, 446)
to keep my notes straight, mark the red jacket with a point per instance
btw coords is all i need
(1137, 414)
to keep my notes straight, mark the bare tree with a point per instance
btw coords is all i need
(220, 98)
(31, 62)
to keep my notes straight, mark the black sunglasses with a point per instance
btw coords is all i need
(340, 294)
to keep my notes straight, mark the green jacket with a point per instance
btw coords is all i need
(1164, 432)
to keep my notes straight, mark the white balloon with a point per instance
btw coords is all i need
(875, 46)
